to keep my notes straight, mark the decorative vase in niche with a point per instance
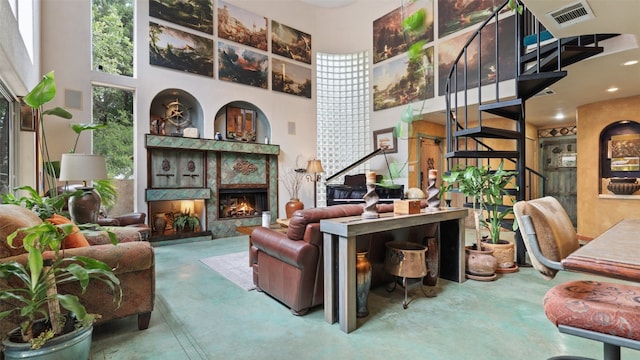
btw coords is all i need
(293, 205)
(363, 283)
(159, 224)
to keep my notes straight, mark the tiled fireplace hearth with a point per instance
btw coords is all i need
(227, 183)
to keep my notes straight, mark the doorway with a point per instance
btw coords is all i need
(559, 166)
(430, 157)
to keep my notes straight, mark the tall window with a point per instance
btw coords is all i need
(6, 129)
(112, 31)
(343, 111)
(114, 107)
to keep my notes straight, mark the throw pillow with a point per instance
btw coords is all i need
(75, 239)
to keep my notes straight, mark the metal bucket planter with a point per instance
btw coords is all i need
(406, 260)
(73, 345)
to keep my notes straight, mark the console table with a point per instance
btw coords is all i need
(339, 248)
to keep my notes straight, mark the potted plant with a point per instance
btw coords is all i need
(186, 222)
(33, 293)
(487, 188)
(43, 206)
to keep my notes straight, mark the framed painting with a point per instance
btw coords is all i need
(180, 50)
(199, 15)
(242, 26)
(239, 65)
(27, 117)
(290, 78)
(241, 124)
(290, 43)
(386, 139)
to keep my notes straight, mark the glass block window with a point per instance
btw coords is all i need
(343, 114)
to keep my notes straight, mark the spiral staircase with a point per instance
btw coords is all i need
(477, 79)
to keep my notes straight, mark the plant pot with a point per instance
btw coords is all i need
(363, 283)
(73, 345)
(293, 205)
(481, 265)
(504, 252)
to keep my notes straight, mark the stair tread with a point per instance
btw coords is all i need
(510, 109)
(482, 154)
(531, 84)
(488, 132)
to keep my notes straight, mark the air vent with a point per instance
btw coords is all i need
(546, 91)
(572, 14)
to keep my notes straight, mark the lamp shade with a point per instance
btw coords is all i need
(314, 167)
(82, 167)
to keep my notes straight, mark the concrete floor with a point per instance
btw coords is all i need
(201, 315)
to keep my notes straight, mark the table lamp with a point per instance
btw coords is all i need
(314, 167)
(83, 208)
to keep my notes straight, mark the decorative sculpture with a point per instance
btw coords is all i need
(371, 198)
(432, 191)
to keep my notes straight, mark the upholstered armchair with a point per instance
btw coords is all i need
(596, 310)
(132, 260)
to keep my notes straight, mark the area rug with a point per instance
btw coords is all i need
(235, 267)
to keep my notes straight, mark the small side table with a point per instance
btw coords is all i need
(247, 230)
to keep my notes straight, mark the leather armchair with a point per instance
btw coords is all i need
(289, 267)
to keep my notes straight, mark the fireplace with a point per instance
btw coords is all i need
(242, 203)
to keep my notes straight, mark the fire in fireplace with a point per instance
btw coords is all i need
(240, 203)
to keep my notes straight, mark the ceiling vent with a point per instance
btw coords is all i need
(546, 91)
(572, 14)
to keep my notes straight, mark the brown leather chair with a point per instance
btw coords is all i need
(601, 311)
(289, 267)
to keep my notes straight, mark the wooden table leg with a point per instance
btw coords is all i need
(329, 284)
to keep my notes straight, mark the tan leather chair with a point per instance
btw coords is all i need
(601, 311)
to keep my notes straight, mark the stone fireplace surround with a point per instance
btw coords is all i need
(229, 167)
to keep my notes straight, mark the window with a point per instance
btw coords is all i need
(112, 36)
(343, 111)
(7, 109)
(114, 108)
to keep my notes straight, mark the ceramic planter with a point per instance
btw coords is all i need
(73, 345)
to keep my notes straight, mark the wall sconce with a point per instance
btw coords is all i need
(314, 167)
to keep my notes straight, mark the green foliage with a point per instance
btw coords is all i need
(37, 294)
(112, 29)
(43, 206)
(186, 221)
(108, 192)
(79, 128)
(488, 188)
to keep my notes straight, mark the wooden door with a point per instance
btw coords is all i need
(559, 166)
(430, 158)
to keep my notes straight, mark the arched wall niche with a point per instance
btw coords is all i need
(223, 123)
(620, 146)
(173, 110)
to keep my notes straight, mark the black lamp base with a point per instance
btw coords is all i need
(84, 208)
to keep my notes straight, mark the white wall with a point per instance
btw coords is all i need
(66, 49)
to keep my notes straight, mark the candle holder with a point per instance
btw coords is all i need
(432, 192)
(371, 198)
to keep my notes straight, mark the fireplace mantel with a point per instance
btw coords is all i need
(213, 165)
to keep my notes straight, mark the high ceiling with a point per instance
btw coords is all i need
(588, 80)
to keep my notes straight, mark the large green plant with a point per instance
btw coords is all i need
(46, 268)
(186, 221)
(488, 189)
(43, 206)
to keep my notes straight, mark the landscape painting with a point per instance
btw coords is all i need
(179, 50)
(398, 82)
(448, 51)
(290, 43)
(388, 37)
(242, 66)
(242, 26)
(290, 78)
(459, 14)
(192, 14)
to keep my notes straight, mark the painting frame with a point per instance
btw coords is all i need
(386, 139)
(241, 124)
(241, 65)
(234, 24)
(179, 50)
(290, 43)
(290, 78)
(28, 117)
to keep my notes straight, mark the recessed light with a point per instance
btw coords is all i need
(559, 116)
(612, 89)
(632, 62)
